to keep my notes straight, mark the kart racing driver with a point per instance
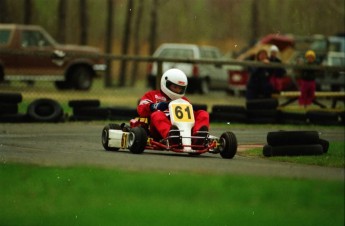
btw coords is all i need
(154, 105)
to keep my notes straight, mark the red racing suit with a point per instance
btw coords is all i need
(159, 120)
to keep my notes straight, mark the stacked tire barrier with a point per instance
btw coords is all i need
(122, 113)
(228, 113)
(9, 107)
(264, 111)
(294, 143)
(323, 117)
(87, 110)
(40, 110)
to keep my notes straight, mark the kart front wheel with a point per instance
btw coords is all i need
(228, 145)
(105, 136)
(137, 140)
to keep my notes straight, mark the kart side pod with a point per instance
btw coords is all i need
(118, 139)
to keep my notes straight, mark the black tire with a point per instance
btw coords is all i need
(262, 114)
(342, 118)
(8, 109)
(45, 110)
(82, 77)
(323, 117)
(228, 144)
(232, 109)
(324, 144)
(282, 138)
(95, 113)
(12, 118)
(137, 140)
(122, 113)
(228, 117)
(291, 118)
(267, 104)
(2, 75)
(197, 107)
(105, 136)
(84, 103)
(11, 98)
(292, 150)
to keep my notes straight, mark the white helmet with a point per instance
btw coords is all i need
(274, 48)
(176, 78)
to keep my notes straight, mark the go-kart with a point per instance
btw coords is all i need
(136, 136)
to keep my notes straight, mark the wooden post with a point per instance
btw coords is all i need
(159, 74)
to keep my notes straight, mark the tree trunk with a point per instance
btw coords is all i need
(136, 35)
(4, 11)
(27, 11)
(125, 43)
(62, 21)
(255, 20)
(83, 21)
(153, 27)
(108, 42)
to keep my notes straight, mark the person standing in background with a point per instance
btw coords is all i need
(277, 74)
(258, 85)
(307, 82)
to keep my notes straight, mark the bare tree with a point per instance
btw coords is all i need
(136, 35)
(125, 42)
(108, 42)
(3, 14)
(62, 21)
(153, 27)
(255, 20)
(83, 19)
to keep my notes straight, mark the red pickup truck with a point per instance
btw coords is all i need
(29, 53)
(239, 75)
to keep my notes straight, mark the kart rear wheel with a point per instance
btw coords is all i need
(137, 140)
(105, 136)
(228, 145)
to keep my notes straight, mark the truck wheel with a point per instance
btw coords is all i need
(204, 87)
(2, 75)
(82, 78)
(105, 136)
(137, 140)
(228, 145)
(63, 85)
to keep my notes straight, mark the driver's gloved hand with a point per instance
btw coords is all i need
(159, 106)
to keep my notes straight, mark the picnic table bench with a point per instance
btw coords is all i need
(292, 96)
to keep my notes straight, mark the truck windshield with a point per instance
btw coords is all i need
(4, 36)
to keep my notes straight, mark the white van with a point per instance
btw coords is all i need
(201, 77)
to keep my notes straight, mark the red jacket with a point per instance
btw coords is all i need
(152, 97)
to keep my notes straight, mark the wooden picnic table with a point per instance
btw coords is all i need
(292, 96)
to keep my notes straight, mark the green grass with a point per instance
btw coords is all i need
(32, 195)
(333, 158)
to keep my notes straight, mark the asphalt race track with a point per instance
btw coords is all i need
(72, 144)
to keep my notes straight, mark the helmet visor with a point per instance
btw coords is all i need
(179, 89)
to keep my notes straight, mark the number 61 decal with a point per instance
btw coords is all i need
(182, 112)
